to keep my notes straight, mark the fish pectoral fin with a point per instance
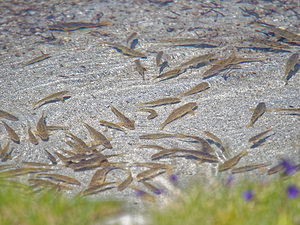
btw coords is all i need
(268, 110)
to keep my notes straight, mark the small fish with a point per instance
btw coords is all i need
(290, 65)
(36, 164)
(161, 101)
(275, 169)
(291, 110)
(22, 171)
(170, 74)
(281, 33)
(145, 196)
(159, 136)
(80, 144)
(163, 153)
(98, 137)
(112, 125)
(248, 168)
(11, 133)
(198, 154)
(31, 136)
(8, 116)
(59, 177)
(151, 187)
(35, 182)
(41, 129)
(258, 136)
(99, 176)
(195, 61)
(51, 157)
(131, 39)
(163, 66)
(153, 146)
(71, 26)
(54, 128)
(58, 96)
(188, 42)
(152, 112)
(125, 50)
(158, 58)
(4, 154)
(140, 68)
(125, 122)
(125, 183)
(37, 59)
(98, 188)
(206, 147)
(150, 173)
(213, 137)
(232, 162)
(269, 43)
(258, 112)
(179, 112)
(198, 88)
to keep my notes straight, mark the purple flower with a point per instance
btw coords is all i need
(289, 167)
(229, 180)
(292, 191)
(139, 193)
(158, 191)
(247, 195)
(174, 179)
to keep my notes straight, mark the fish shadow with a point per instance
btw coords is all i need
(260, 142)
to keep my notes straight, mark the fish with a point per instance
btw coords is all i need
(59, 177)
(269, 43)
(36, 164)
(79, 144)
(98, 137)
(158, 58)
(51, 157)
(258, 112)
(198, 88)
(163, 66)
(179, 112)
(8, 116)
(58, 96)
(54, 128)
(11, 133)
(22, 171)
(140, 68)
(195, 61)
(258, 136)
(290, 65)
(206, 147)
(31, 136)
(154, 165)
(233, 161)
(150, 173)
(170, 74)
(112, 125)
(163, 153)
(153, 146)
(131, 40)
(152, 112)
(188, 42)
(145, 196)
(281, 33)
(248, 168)
(123, 185)
(198, 154)
(219, 65)
(37, 59)
(35, 182)
(125, 122)
(99, 176)
(159, 136)
(213, 137)
(41, 129)
(98, 188)
(151, 187)
(125, 50)
(4, 154)
(71, 26)
(161, 101)
(291, 110)
(275, 169)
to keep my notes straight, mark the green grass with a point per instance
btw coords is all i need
(218, 204)
(21, 207)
